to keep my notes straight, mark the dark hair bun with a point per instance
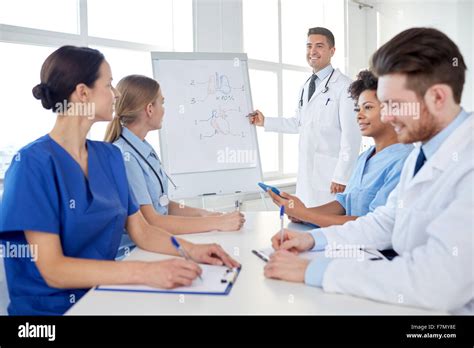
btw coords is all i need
(43, 93)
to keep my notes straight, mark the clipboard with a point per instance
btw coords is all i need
(216, 280)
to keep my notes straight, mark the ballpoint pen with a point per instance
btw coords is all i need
(181, 251)
(261, 255)
(282, 217)
(237, 205)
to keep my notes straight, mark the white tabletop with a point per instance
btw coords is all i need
(252, 292)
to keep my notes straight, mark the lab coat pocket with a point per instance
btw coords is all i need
(323, 171)
(328, 114)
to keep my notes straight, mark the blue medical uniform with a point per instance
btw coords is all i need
(46, 190)
(373, 179)
(143, 182)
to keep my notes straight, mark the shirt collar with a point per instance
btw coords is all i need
(141, 145)
(323, 73)
(432, 145)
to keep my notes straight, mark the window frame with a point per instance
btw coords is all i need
(47, 38)
(278, 67)
(41, 37)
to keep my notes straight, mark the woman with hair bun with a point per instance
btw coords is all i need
(67, 200)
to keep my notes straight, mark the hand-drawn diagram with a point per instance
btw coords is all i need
(219, 123)
(217, 85)
(206, 108)
(219, 89)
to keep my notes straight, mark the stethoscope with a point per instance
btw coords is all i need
(164, 200)
(325, 90)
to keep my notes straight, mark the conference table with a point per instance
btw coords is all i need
(252, 293)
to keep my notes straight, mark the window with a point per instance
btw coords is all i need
(274, 37)
(275, 33)
(54, 15)
(295, 23)
(261, 29)
(264, 95)
(292, 81)
(152, 25)
(147, 21)
(23, 114)
(163, 23)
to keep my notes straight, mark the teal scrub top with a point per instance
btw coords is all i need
(373, 179)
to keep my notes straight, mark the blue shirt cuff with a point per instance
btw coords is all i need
(341, 199)
(315, 271)
(320, 240)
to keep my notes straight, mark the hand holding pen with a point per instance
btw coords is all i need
(212, 254)
(182, 252)
(256, 118)
(282, 220)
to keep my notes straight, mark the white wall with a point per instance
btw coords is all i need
(218, 26)
(359, 37)
(466, 45)
(453, 17)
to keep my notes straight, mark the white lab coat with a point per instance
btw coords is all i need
(429, 221)
(329, 140)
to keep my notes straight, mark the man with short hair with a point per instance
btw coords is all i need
(330, 139)
(428, 218)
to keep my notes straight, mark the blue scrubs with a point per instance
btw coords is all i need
(373, 179)
(46, 190)
(143, 182)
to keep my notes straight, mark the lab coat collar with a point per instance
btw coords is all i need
(325, 72)
(430, 147)
(445, 155)
(321, 85)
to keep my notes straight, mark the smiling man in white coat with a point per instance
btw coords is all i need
(428, 218)
(330, 139)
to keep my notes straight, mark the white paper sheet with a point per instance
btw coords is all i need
(210, 284)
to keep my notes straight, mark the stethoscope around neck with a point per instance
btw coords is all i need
(325, 90)
(164, 200)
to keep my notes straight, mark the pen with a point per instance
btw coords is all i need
(181, 251)
(372, 258)
(282, 217)
(252, 114)
(327, 101)
(261, 255)
(237, 205)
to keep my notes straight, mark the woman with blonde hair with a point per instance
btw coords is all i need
(139, 111)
